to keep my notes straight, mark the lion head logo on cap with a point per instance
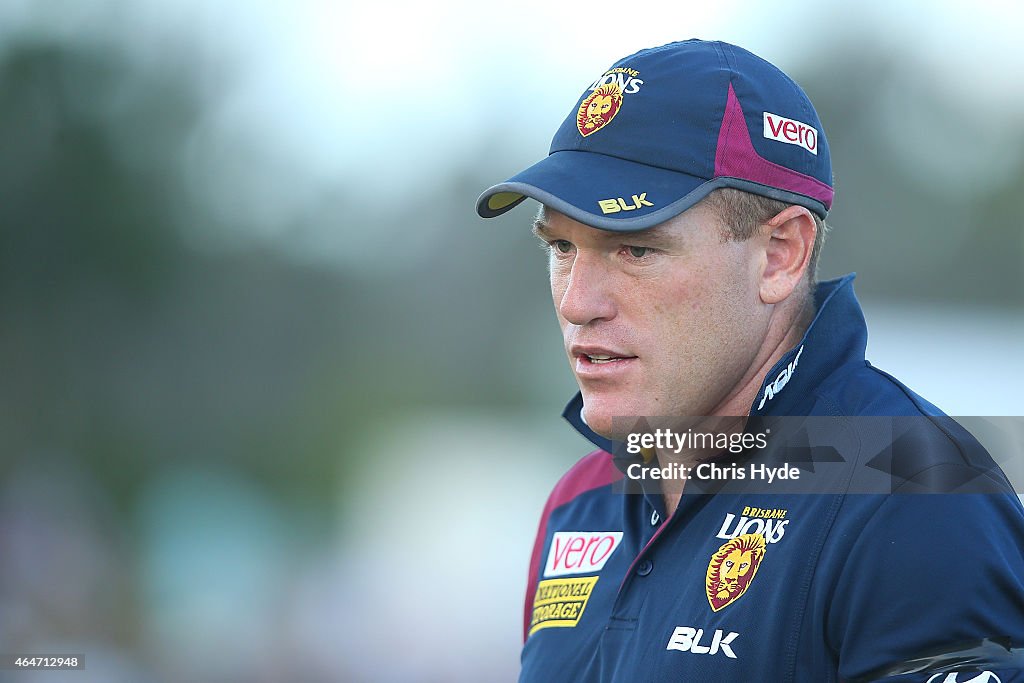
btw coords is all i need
(732, 568)
(598, 109)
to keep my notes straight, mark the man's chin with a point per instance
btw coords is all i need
(609, 418)
(616, 417)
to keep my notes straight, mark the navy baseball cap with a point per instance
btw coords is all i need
(662, 128)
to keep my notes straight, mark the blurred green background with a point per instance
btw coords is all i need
(276, 405)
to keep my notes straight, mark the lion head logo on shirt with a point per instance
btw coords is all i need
(732, 568)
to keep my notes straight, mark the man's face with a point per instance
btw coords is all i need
(663, 322)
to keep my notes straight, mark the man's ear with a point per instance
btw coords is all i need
(790, 240)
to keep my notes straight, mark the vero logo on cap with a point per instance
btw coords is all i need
(791, 132)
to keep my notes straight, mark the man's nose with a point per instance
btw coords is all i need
(587, 295)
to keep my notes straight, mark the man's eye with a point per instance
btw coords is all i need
(562, 246)
(638, 252)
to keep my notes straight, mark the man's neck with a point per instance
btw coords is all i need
(779, 339)
(738, 403)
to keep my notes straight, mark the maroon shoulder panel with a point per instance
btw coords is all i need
(592, 472)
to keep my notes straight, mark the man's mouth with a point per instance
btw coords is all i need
(588, 358)
(600, 358)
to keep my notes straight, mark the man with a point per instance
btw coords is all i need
(683, 203)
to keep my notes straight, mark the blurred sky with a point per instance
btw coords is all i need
(388, 96)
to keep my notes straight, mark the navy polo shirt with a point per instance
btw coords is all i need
(752, 583)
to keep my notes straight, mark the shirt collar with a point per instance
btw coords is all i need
(838, 335)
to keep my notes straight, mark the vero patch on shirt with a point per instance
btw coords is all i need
(580, 552)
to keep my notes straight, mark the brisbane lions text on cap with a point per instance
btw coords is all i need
(662, 128)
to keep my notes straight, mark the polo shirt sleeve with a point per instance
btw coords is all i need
(929, 580)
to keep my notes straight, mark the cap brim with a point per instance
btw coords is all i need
(600, 191)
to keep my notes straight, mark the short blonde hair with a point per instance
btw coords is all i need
(745, 213)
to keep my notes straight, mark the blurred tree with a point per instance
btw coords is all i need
(85, 238)
(120, 344)
(74, 214)
(921, 211)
